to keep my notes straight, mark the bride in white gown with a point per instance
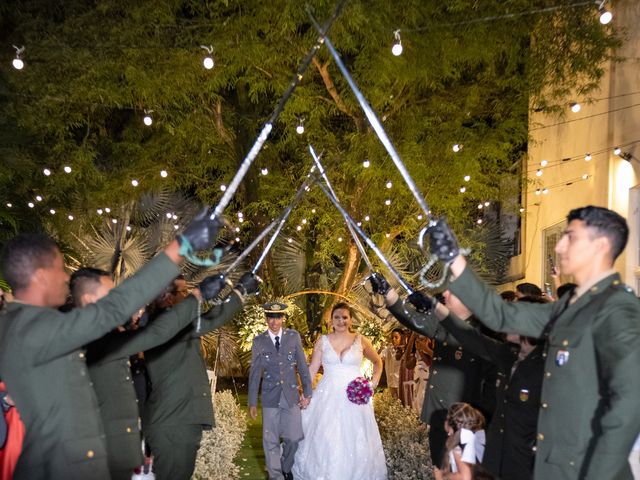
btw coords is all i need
(341, 438)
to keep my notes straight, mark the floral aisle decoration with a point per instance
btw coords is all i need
(376, 331)
(220, 445)
(404, 439)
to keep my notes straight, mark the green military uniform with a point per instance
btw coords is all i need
(109, 369)
(179, 405)
(43, 365)
(455, 375)
(589, 417)
(511, 435)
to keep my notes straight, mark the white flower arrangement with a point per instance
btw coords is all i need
(404, 439)
(374, 329)
(220, 445)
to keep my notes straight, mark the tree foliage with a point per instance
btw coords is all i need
(468, 75)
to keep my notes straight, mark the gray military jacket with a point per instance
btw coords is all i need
(278, 370)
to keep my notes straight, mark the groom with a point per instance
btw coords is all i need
(276, 359)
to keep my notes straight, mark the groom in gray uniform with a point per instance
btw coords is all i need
(277, 358)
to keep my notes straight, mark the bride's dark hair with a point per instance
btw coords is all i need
(344, 306)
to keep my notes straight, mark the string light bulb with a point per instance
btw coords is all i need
(264, 171)
(617, 151)
(52, 211)
(463, 189)
(389, 184)
(539, 172)
(479, 221)
(397, 44)
(135, 182)
(208, 61)
(339, 239)
(587, 157)
(545, 191)
(300, 127)
(544, 163)
(47, 172)
(70, 217)
(99, 211)
(31, 204)
(420, 217)
(467, 178)
(575, 107)
(38, 198)
(164, 173)
(456, 147)
(17, 62)
(148, 119)
(605, 15)
(367, 218)
(223, 187)
(387, 202)
(108, 210)
(67, 169)
(366, 164)
(9, 205)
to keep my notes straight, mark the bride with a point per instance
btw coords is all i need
(341, 438)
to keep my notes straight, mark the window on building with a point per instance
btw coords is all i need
(551, 236)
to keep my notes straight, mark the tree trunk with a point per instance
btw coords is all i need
(351, 268)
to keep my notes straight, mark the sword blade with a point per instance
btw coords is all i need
(268, 126)
(283, 218)
(248, 250)
(363, 253)
(366, 238)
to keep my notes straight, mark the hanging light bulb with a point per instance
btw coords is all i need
(585, 176)
(420, 217)
(223, 187)
(339, 239)
(108, 210)
(99, 211)
(52, 211)
(605, 15)
(290, 240)
(367, 218)
(114, 220)
(479, 221)
(128, 228)
(456, 147)
(389, 184)
(397, 44)
(164, 173)
(480, 206)
(387, 202)
(169, 214)
(587, 157)
(544, 163)
(486, 204)
(538, 173)
(70, 217)
(18, 63)
(575, 107)
(135, 182)
(264, 171)
(208, 60)
(313, 210)
(31, 204)
(545, 191)
(304, 221)
(67, 169)
(47, 172)
(617, 151)
(463, 189)
(38, 198)
(521, 210)
(467, 178)
(538, 191)
(9, 205)
(366, 164)
(148, 119)
(300, 127)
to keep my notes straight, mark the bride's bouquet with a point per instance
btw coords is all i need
(359, 390)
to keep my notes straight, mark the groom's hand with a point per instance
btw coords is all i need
(253, 412)
(304, 402)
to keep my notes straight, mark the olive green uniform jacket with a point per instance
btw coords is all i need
(43, 365)
(109, 369)
(180, 392)
(589, 417)
(455, 375)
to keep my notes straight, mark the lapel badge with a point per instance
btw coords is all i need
(524, 395)
(290, 357)
(562, 357)
(458, 354)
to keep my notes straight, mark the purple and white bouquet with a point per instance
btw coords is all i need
(359, 390)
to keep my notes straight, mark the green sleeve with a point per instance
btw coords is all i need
(219, 315)
(424, 324)
(475, 342)
(61, 333)
(162, 329)
(617, 342)
(523, 318)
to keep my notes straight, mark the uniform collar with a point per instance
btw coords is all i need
(272, 335)
(596, 284)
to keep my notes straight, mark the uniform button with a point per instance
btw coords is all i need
(128, 429)
(572, 463)
(137, 400)
(594, 289)
(204, 394)
(81, 355)
(127, 378)
(540, 436)
(430, 386)
(90, 454)
(128, 363)
(545, 405)
(534, 448)
(547, 374)
(565, 343)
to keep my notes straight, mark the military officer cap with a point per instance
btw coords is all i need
(275, 309)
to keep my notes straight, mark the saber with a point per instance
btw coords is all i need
(268, 126)
(377, 126)
(363, 253)
(367, 240)
(382, 135)
(306, 185)
(248, 250)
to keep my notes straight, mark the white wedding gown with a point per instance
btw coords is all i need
(341, 439)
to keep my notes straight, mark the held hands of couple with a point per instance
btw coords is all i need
(304, 402)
